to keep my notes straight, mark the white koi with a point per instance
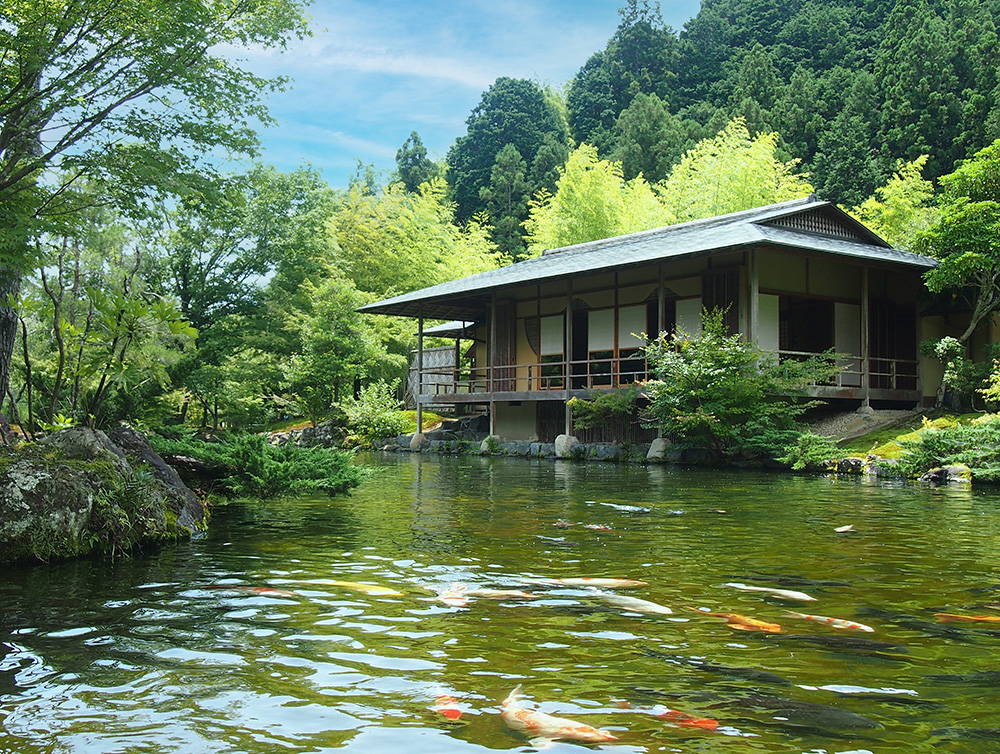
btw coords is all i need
(455, 595)
(501, 594)
(589, 581)
(634, 604)
(785, 594)
(543, 729)
(832, 622)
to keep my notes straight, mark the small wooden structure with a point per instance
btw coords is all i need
(796, 278)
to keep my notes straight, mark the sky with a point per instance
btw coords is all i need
(375, 71)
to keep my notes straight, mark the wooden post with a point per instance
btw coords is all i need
(865, 337)
(491, 360)
(420, 373)
(753, 305)
(567, 356)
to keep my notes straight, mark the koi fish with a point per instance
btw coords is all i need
(832, 622)
(626, 508)
(597, 527)
(739, 622)
(373, 589)
(632, 603)
(543, 729)
(263, 591)
(678, 718)
(455, 595)
(448, 707)
(588, 581)
(842, 529)
(786, 594)
(501, 594)
(951, 617)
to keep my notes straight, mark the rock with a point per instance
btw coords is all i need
(77, 491)
(564, 446)
(658, 449)
(418, 442)
(957, 474)
(850, 465)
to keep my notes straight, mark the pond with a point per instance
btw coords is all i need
(315, 625)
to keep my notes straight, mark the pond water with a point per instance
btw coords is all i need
(241, 641)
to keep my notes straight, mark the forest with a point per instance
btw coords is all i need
(141, 282)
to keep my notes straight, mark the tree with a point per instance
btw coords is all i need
(731, 172)
(86, 87)
(902, 207)
(966, 236)
(648, 139)
(511, 111)
(507, 201)
(592, 201)
(413, 166)
(640, 57)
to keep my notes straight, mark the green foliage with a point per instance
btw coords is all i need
(811, 451)
(592, 201)
(506, 200)
(963, 380)
(730, 172)
(975, 444)
(376, 413)
(717, 392)
(603, 406)
(511, 111)
(901, 208)
(124, 513)
(252, 468)
(966, 236)
(413, 166)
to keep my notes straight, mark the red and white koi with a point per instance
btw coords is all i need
(589, 581)
(785, 594)
(832, 622)
(678, 718)
(447, 706)
(542, 729)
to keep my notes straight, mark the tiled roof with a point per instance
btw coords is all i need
(466, 297)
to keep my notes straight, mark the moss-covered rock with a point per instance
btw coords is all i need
(76, 492)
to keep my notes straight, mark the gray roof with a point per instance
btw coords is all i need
(466, 297)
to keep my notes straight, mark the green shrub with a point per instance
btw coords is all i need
(975, 444)
(375, 414)
(811, 451)
(604, 406)
(716, 391)
(252, 468)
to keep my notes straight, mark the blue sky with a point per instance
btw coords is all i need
(377, 70)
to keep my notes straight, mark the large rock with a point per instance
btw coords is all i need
(76, 492)
(658, 449)
(564, 446)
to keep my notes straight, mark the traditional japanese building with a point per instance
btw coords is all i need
(796, 278)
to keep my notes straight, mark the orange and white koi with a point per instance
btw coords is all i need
(542, 729)
(373, 589)
(447, 706)
(832, 622)
(951, 617)
(786, 594)
(589, 581)
(597, 527)
(455, 595)
(634, 604)
(739, 622)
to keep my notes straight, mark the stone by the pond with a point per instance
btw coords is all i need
(76, 491)
(658, 449)
(957, 474)
(564, 446)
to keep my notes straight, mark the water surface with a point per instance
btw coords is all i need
(182, 651)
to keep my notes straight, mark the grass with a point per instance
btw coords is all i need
(886, 442)
(430, 420)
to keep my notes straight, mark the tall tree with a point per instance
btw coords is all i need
(902, 208)
(507, 201)
(511, 111)
(87, 87)
(413, 166)
(648, 138)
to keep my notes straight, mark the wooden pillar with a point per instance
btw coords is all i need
(491, 346)
(753, 294)
(420, 372)
(661, 303)
(567, 357)
(865, 338)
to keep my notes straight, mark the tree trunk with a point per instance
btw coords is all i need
(10, 286)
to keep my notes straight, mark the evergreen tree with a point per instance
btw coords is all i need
(413, 166)
(648, 140)
(507, 201)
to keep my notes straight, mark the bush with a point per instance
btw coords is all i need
(252, 468)
(975, 444)
(811, 451)
(375, 414)
(602, 407)
(716, 391)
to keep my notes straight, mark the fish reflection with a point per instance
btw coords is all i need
(726, 671)
(852, 643)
